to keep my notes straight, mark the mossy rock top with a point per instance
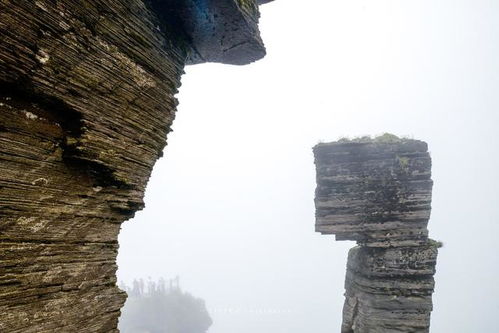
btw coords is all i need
(385, 141)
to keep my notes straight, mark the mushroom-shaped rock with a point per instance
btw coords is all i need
(378, 193)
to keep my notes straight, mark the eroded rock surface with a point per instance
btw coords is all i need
(224, 31)
(378, 192)
(86, 100)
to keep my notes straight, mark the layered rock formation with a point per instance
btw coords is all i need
(378, 193)
(86, 100)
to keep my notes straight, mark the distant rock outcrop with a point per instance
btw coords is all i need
(86, 100)
(378, 192)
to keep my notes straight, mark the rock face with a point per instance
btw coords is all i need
(86, 100)
(378, 193)
(224, 31)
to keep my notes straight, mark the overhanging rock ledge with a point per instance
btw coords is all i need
(86, 100)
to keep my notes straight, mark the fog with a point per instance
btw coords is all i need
(230, 207)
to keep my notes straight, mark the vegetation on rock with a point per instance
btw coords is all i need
(157, 308)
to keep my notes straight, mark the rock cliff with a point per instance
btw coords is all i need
(378, 192)
(86, 101)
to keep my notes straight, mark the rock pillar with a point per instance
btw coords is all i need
(377, 192)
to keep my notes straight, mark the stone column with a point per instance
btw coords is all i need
(377, 192)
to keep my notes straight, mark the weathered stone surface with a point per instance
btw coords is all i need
(86, 100)
(389, 289)
(109, 75)
(378, 193)
(223, 31)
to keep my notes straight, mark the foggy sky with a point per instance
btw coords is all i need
(230, 206)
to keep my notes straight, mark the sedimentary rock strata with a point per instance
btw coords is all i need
(86, 100)
(224, 31)
(378, 193)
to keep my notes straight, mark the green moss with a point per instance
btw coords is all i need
(249, 6)
(384, 138)
(360, 139)
(435, 244)
(70, 141)
(403, 162)
(387, 138)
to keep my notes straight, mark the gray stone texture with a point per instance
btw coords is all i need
(377, 192)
